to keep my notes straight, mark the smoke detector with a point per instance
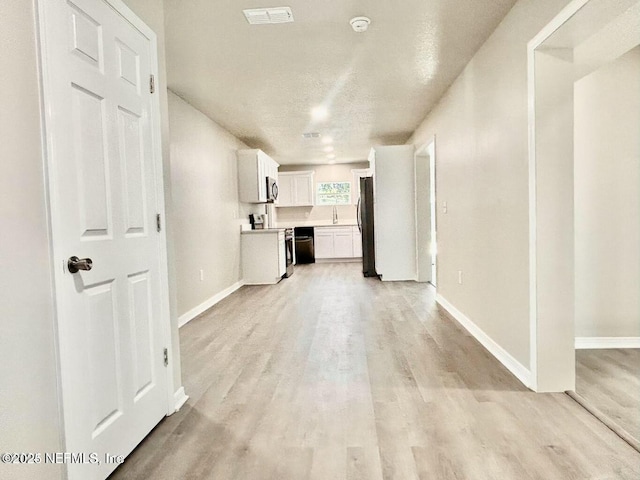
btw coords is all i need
(360, 24)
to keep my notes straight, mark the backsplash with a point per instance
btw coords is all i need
(320, 215)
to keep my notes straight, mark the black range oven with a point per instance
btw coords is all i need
(288, 247)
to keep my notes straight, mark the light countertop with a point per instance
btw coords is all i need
(263, 230)
(346, 223)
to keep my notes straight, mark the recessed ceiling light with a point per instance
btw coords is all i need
(327, 140)
(331, 156)
(328, 148)
(331, 162)
(319, 113)
(311, 135)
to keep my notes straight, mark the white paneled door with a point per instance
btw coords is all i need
(105, 184)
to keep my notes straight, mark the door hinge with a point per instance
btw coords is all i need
(166, 357)
(152, 84)
(158, 222)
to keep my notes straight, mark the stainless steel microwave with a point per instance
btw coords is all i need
(272, 189)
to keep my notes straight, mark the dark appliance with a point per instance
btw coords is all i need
(288, 247)
(365, 224)
(256, 221)
(272, 189)
(304, 245)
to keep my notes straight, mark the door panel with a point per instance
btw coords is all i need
(303, 189)
(102, 365)
(323, 244)
(129, 65)
(104, 198)
(343, 244)
(141, 332)
(131, 155)
(282, 257)
(357, 243)
(91, 164)
(286, 192)
(86, 36)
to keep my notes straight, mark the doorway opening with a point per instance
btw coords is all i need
(432, 211)
(607, 242)
(585, 36)
(426, 246)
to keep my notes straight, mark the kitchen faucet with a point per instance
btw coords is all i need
(335, 215)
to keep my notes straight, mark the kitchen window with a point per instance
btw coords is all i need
(333, 193)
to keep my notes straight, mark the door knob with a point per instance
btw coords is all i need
(75, 264)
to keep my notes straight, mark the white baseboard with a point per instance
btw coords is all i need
(194, 312)
(339, 260)
(607, 342)
(180, 398)
(514, 366)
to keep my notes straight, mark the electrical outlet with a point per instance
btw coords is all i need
(201, 275)
(460, 277)
(444, 207)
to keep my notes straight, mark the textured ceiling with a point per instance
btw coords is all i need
(261, 81)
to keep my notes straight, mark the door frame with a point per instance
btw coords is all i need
(552, 69)
(56, 258)
(428, 150)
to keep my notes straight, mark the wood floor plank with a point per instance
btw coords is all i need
(328, 375)
(363, 463)
(609, 379)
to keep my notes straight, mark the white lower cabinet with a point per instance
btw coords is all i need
(282, 255)
(343, 244)
(357, 242)
(323, 243)
(264, 259)
(336, 242)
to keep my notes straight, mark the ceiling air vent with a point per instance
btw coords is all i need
(311, 135)
(261, 16)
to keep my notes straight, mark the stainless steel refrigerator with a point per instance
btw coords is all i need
(365, 224)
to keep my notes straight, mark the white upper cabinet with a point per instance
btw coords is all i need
(303, 188)
(254, 166)
(285, 193)
(296, 189)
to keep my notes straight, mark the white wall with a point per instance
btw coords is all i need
(28, 386)
(480, 127)
(423, 215)
(607, 200)
(206, 211)
(318, 215)
(394, 211)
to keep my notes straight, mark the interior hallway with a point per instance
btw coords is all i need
(329, 375)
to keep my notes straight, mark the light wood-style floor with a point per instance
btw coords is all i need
(329, 375)
(609, 379)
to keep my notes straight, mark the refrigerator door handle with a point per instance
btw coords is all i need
(359, 215)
